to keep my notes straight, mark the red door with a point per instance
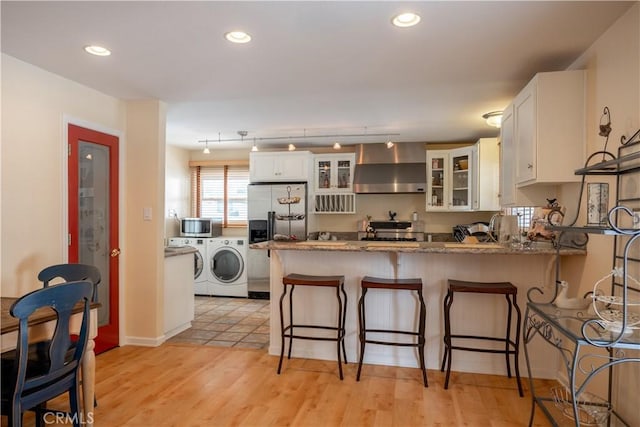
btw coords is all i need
(93, 220)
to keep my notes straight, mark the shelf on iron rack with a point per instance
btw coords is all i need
(592, 229)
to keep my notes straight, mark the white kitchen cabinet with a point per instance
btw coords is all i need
(178, 294)
(451, 179)
(549, 128)
(510, 194)
(333, 173)
(279, 166)
(487, 188)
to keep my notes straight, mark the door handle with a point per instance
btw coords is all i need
(115, 252)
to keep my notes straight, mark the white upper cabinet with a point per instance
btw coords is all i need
(279, 166)
(464, 179)
(548, 129)
(487, 189)
(450, 179)
(510, 194)
(333, 173)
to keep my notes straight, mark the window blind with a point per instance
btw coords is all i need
(220, 193)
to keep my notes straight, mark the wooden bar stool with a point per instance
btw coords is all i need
(511, 347)
(393, 284)
(294, 280)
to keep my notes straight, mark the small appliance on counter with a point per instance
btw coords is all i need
(393, 231)
(200, 227)
(480, 230)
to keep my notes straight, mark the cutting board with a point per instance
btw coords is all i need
(395, 244)
(321, 243)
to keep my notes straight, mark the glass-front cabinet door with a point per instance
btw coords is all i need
(461, 179)
(334, 173)
(437, 198)
(450, 179)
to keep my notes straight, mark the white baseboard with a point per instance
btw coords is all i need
(144, 342)
(177, 330)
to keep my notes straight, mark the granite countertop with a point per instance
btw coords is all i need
(413, 247)
(170, 251)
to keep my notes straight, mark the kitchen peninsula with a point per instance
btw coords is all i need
(472, 314)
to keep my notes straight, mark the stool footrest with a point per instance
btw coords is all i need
(390, 331)
(483, 350)
(399, 344)
(477, 337)
(291, 334)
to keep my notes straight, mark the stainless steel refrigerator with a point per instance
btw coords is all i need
(274, 210)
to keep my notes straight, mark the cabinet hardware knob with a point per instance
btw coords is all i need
(529, 166)
(115, 252)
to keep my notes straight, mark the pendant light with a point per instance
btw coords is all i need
(255, 147)
(206, 147)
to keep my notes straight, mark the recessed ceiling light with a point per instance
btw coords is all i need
(237, 37)
(407, 19)
(97, 50)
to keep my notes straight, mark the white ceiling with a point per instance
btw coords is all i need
(312, 68)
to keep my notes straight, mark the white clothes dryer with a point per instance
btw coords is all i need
(227, 266)
(200, 278)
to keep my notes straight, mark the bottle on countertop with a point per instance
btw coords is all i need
(414, 216)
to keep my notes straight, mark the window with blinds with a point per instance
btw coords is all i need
(220, 192)
(524, 214)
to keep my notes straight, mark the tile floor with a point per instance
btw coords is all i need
(228, 322)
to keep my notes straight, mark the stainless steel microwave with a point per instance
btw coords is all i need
(200, 227)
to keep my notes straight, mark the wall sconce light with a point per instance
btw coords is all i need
(494, 118)
(336, 146)
(292, 147)
(390, 144)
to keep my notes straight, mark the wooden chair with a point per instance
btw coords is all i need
(71, 273)
(68, 273)
(28, 386)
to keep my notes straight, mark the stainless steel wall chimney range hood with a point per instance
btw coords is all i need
(399, 169)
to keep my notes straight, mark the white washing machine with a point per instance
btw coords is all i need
(200, 278)
(227, 266)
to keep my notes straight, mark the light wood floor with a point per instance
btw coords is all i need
(190, 385)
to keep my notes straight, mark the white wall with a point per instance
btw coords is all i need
(177, 189)
(34, 105)
(613, 76)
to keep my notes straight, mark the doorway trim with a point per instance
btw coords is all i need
(64, 248)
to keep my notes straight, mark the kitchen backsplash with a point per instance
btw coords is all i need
(378, 206)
